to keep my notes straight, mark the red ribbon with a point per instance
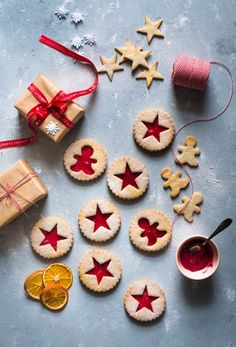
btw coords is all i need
(40, 112)
(58, 105)
(9, 191)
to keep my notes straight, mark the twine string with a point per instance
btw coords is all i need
(185, 77)
(9, 192)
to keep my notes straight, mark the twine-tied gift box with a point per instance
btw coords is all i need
(20, 188)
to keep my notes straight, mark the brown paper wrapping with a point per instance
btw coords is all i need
(27, 101)
(33, 190)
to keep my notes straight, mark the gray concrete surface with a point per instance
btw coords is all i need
(198, 314)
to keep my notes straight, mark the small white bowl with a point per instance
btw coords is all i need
(203, 273)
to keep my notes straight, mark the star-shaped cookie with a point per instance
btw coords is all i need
(151, 29)
(150, 74)
(127, 178)
(153, 130)
(100, 270)
(109, 66)
(144, 300)
(138, 57)
(128, 48)
(51, 237)
(99, 220)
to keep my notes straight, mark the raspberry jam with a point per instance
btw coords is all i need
(198, 260)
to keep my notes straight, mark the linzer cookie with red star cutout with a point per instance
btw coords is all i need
(51, 237)
(85, 160)
(150, 230)
(144, 300)
(100, 270)
(127, 178)
(153, 130)
(99, 220)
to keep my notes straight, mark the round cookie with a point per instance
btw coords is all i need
(127, 178)
(85, 160)
(150, 230)
(51, 237)
(144, 300)
(99, 220)
(100, 270)
(154, 130)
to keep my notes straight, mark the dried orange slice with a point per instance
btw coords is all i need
(34, 284)
(57, 274)
(54, 297)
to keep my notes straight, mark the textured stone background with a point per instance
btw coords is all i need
(198, 314)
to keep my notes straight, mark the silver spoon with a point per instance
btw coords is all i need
(223, 225)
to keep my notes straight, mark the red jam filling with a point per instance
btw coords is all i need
(145, 300)
(100, 270)
(51, 237)
(150, 231)
(100, 219)
(129, 177)
(84, 161)
(198, 260)
(154, 129)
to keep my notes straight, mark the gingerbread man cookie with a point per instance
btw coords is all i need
(173, 181)
(85, 160)
(189, 206)
(150, 230)
(189, 151)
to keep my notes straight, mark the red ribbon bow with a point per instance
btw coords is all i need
(58, 105)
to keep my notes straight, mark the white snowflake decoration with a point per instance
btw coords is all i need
(61, 12)
(89, 39)
(77, 17)
(77, 42)
(52, 128)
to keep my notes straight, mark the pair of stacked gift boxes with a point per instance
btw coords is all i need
(20, 186)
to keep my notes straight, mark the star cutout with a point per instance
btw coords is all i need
(128, 48)
(150, 74)
(145, 300)
(154, 129)
(51, 237)
(150, 231)
(109, 66)
(129, 177)
(138, 57)
(100, 270)
(151, 29)
(100, 219)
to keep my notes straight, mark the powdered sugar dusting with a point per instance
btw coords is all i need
(231, 294)
(181, 21)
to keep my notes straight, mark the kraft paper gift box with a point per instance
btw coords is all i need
(20, 188)
(27, 102)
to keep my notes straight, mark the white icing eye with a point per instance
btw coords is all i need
(52, 128)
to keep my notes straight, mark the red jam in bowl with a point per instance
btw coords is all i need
(198, 260)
